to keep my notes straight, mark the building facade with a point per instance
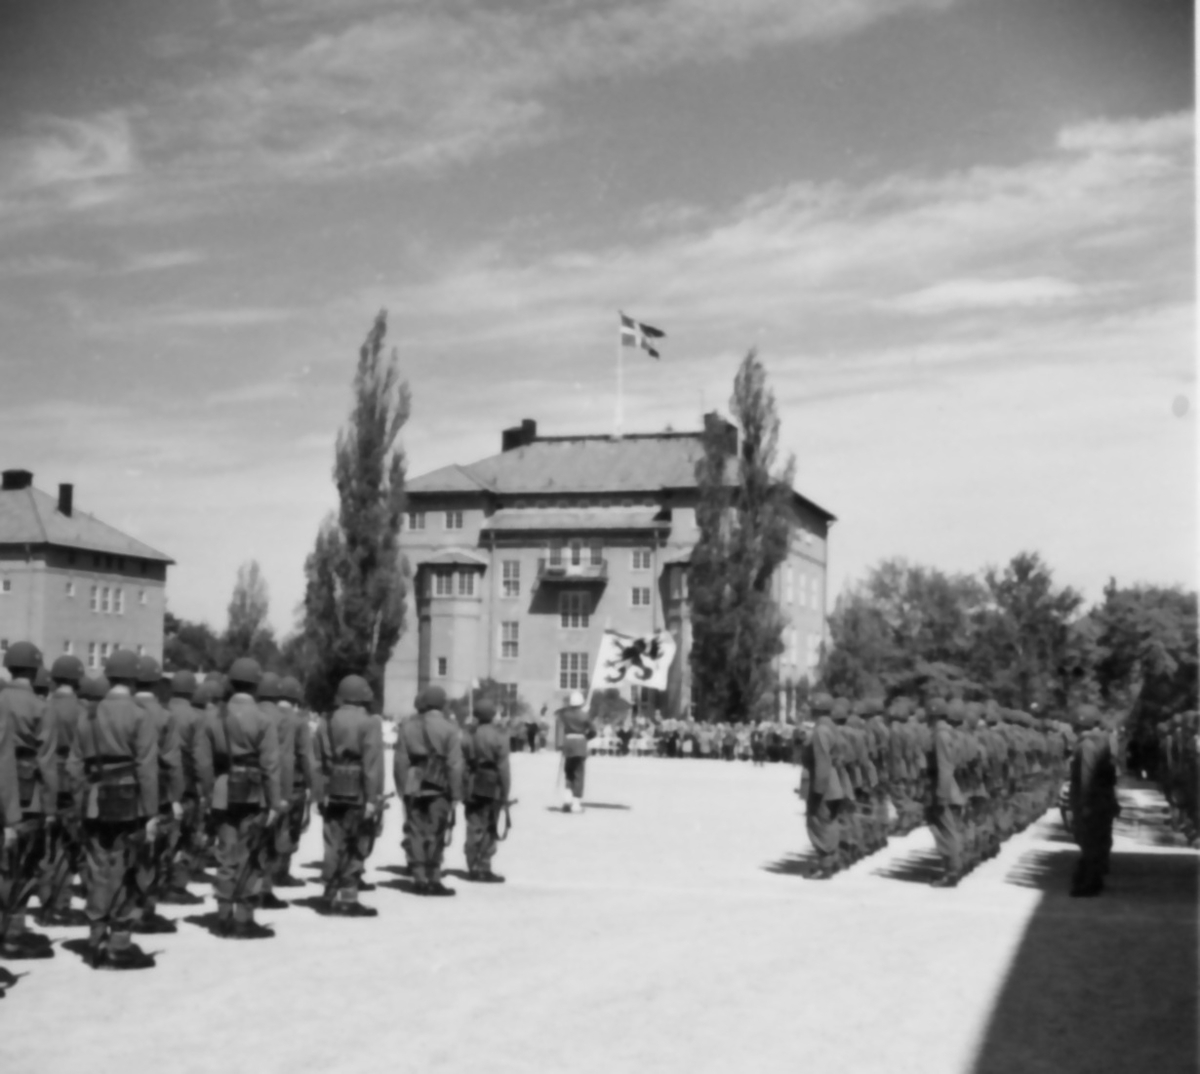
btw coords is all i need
(70, 583)
(522, 560)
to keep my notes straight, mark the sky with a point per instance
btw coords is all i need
(960, 234)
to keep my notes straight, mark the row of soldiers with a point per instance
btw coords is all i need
(975, 773)
(101, 779)
(1178, 749)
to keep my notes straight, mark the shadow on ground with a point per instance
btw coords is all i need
(918, 867)
(1101, 985)
(793, 864)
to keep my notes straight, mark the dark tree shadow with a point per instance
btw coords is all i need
(1107, 985)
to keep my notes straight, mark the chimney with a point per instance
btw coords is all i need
(715, 425)
(518, 435)
(12, 480)
(66, 499)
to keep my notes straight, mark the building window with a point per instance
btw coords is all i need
(454, 520)
(572, 671)
(597, 553)
(556, 553)
(574, 610)
(92, 654)
(814, 651)
(510, 637)
(791, 584)
(68, 647)
(511, 569)
(576, 553)
(141, 596)
(466, 583)
(443, 667)
(3, 645)
(803, 589)
(70, 589)
(104, 600)
(104, 650)
(641, 559)
(416, 520)
(94, 604)
(641, 596)
(141, 650)
(443, 583)
(6, 585)
(815, 595)
(119, 601)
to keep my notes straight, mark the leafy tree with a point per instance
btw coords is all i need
(189, 646)
(356, 576)
(743, 515)
(247, 632)
(1023, 634)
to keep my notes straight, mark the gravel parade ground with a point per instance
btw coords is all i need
(668, 928)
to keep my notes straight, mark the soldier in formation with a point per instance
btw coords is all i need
(488, 782)
(973, 772)
(1177, 774)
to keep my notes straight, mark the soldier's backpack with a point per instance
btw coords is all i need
(27, 775)
(346, 782)
(243, 781)
(434, 776)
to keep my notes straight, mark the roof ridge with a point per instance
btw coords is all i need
(37, 514)
(466, 472)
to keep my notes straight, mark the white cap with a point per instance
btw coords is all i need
(575, 699)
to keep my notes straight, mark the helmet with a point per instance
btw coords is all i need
(93, 688)
(355, 690)
(956, 711)
(1087, 716)
(246, 670)
(430, 697)
(148, 671)
(202, 695)
(218, 686)
(122, 665)
(41, 681)
(183, 684)
(575, 699)
(873, 706)
(822, 704)
(485, 710)
(290, 689)
(841, 708)
(68, 668)
(22, 656)
(268, 687)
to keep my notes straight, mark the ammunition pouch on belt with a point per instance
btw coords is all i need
(346, 783)
(485, 782)
(65, 798)
(117, 792)
(27, 776)
(244, 784)
(433, 776)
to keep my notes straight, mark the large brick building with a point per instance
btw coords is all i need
(70, 583)
(520, 561)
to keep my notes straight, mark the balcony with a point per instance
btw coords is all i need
(573, 573)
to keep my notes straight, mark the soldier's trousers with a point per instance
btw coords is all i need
(429, 818)
(348, 841)
(239, 867)
(64, 858)
(155, 862)
(945, 821)
(290, 830)
(189, 850)
(482, 817)
(110, 850)
(574, 770)
(1094, 836)
(821, 819)
(406, 831)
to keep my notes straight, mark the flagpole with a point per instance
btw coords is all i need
(620, 363)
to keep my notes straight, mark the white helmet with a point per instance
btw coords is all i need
(575, 699)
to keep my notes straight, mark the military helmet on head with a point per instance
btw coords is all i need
(575, 699)
(841, 709)
(268, 687)
(485, 710)
(290, 689)
(429, 698)
(93, 688)
(1087, 717)
(22, 656)
(122, 665)
(822, 704)
(183, 684)
(246, 670)
(67, 668)
(148, 671)
(355, 690)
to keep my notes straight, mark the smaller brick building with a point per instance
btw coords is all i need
(70, 583)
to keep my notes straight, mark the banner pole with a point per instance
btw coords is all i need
(620, 416)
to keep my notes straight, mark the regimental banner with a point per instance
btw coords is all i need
(640, 660)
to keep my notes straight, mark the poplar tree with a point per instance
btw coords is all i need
(356, 577)
(745, 524)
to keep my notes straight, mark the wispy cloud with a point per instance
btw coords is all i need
(973, 294)
(161, 260)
